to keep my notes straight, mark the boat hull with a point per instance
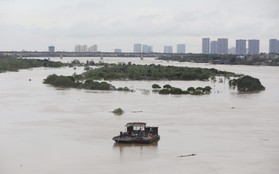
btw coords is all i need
(135, 140)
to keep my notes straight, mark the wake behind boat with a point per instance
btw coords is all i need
(138, 132)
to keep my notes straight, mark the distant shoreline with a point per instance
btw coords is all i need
(228, 59)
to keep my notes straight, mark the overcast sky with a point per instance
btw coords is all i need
(36, 24)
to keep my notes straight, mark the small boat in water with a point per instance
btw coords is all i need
(138, 132)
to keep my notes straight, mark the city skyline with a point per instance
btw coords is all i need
(218, 46)
(33, 25)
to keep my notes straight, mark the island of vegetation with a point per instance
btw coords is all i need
(121, 71)
(8, 63)
(247, 84)
(76, 82)
(152, 72)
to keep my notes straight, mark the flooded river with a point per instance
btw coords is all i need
(46, 130)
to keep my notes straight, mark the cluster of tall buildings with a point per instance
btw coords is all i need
(180, 48)
(220, 46)
(273, 46)
(139, 48)
(84, 48)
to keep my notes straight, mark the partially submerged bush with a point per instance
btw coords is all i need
(164, 91)
(167, 86)
(247, 84)
(118, 111)
(156, 86)
(190, 90)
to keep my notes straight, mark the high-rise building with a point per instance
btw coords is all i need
(93, 48)
(253, 46)
(278, 46)
(205, 45)
(181, 48)
(167, 49)
(147, 49)
(84, 48)
(117, 50)
(81, 48)
(240, 47)
(273, 46)
(150, 49)
(78, 48)
(213, 47)
(222, 46)
(51, 49)
(137, 48)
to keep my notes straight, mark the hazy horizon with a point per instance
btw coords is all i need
(33, 25)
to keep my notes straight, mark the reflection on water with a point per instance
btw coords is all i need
(141, 151)
(132, 145)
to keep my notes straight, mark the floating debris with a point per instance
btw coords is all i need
(182, 156)
(137, 111)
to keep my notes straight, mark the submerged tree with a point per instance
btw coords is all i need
(247, 84)
(156, 86)
(118, 111)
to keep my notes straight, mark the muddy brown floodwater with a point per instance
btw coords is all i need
(46, 130)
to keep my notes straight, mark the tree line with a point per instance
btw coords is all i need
(8, 63)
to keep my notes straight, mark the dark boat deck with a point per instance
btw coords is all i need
(138, 133)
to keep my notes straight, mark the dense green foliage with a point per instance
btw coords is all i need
(225, 59)
(124, 89)
(247, 84)
(152, 72)
(74, 82)
(200, 58)
(61, 81)
(164, 91)
(167, 86)
(156, 86)
(13, 64)
(93, 85)
(190, 90)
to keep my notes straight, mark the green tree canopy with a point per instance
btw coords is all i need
(247, 84)
(156, 86)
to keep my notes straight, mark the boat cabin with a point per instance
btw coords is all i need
(138, 132)
(141, 127)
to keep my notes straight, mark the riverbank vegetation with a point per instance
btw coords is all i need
(230, 59)
(8, 63)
